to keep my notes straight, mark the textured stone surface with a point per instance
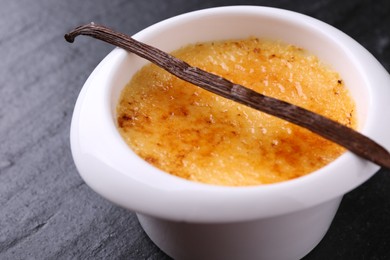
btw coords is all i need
(46, 210)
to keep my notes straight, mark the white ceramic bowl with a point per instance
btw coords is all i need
(191, 220)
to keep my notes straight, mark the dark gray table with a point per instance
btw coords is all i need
(46, 211)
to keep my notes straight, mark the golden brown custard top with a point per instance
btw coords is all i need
(191, 133)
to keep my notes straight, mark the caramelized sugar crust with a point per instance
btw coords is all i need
(191, 133)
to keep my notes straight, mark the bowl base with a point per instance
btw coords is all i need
(289, 236)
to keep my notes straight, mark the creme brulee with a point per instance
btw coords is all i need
(194, 134)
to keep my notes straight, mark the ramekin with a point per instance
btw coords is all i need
(190, 220)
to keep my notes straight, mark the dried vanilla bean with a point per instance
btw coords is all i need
(327, 128)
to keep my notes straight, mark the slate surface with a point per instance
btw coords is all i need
(46, 211)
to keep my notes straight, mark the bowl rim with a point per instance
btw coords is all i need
(104, 171)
